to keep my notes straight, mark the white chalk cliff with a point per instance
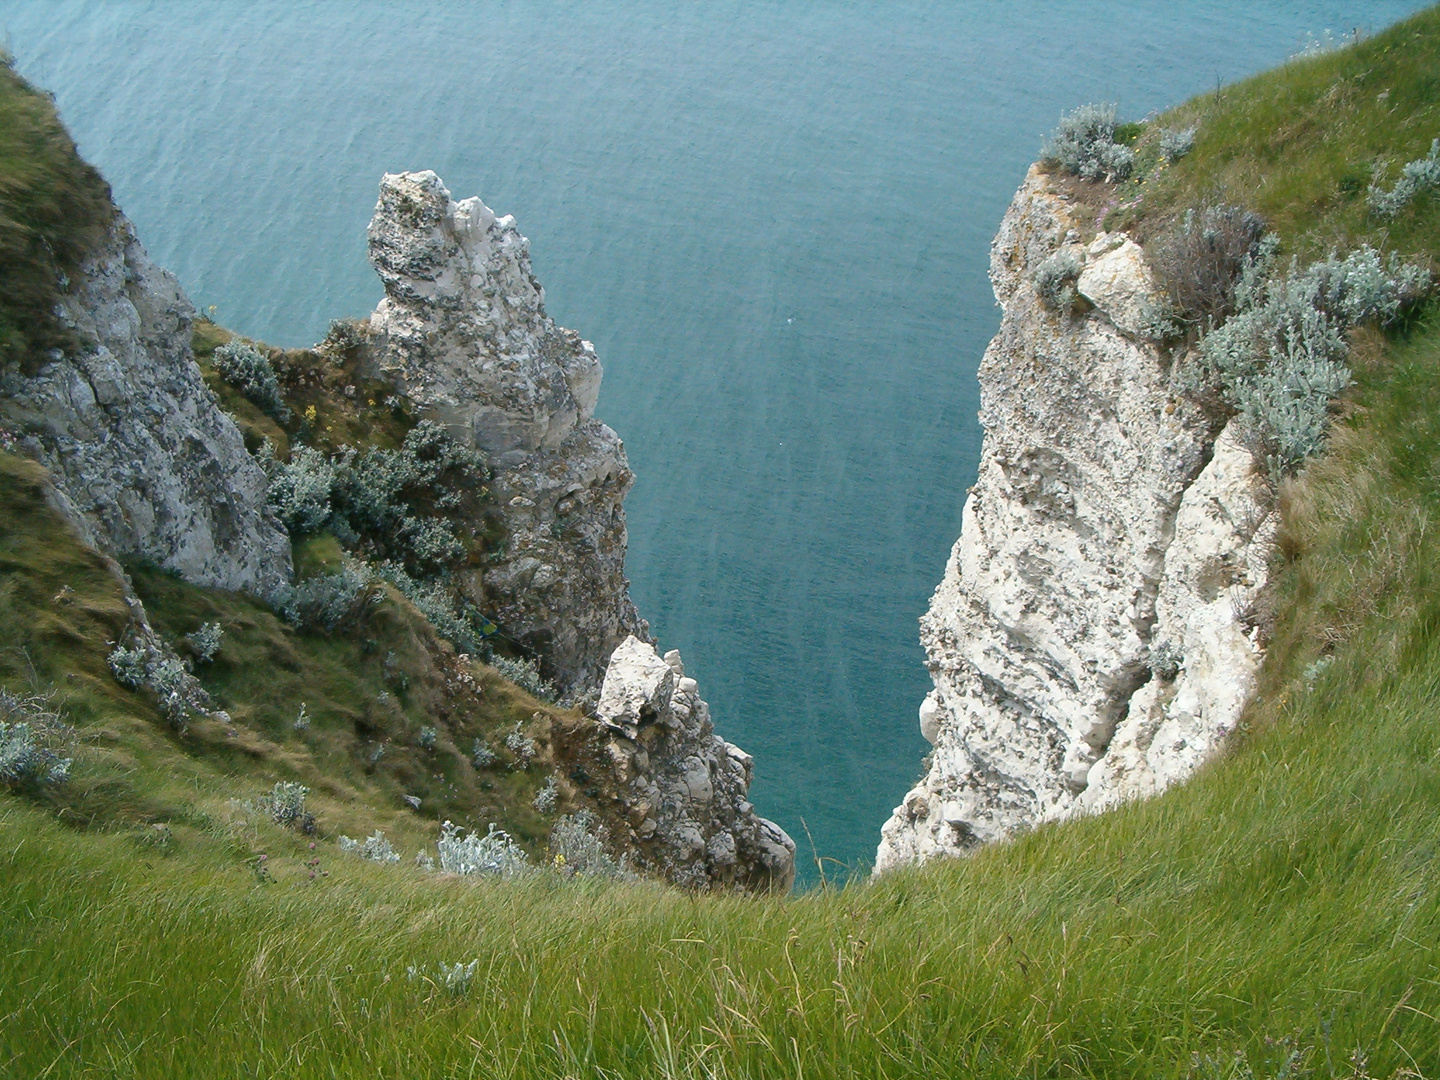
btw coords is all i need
(144, 461)
(683, 788)
(462, 331)
(1088, 643)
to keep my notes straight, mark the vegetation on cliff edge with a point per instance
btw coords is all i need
(1277, 916)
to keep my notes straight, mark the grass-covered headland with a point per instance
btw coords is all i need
(1279, 915)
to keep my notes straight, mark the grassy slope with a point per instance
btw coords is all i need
(1285, 902)
(53, 208)
(371, 688)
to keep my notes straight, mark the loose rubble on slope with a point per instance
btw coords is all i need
(1088, 641)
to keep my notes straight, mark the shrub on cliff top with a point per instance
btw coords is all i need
(1282, 358)
(1198, 263)
(1055, 279)
(1084, 144)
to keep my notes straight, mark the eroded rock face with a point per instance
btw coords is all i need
(146, 461)
(1086, 643)
(683, 787)
(463, 332)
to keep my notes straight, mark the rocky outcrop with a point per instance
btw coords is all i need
(462, 331)
(147, 463)
(682, 787)
(1087, 643)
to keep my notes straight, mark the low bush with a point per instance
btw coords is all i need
(1282, 358)
(524, 673)
(32, 738)
(577, 848)
(155, 668)
(1416, 178)
(329, 601)
(286, 805)
(1198, 263)
(1055, 279)
(299, 490)
(374, 847)
(495, 853)
(546, 798)
(521, 745)
(1084, 145)
(481, 756)
(248, 370)
(205, 642)
(1175, 144)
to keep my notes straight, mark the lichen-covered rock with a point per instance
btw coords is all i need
(463, 332)
(682, 787)
(1100, 543)
(148, 464)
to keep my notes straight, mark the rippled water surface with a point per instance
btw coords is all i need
(771, 218)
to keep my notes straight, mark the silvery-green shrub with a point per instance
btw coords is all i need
(1055, 279)
(524, 673)
(148, 667)
(302, 719)
(434, 601)
(205, 642)
(128, 666)
(328, 601)
(32, 736)
(1282, 358)
(1084, 144)
(374, 847)
(249, 371)
(495, 853)
(1175, 144)
(388, 498)
(482, 757)
(546, 797)
(577, 847)
(1416, 178)
(521, 745)
(286, 803)
(428, 737)
(299, 490)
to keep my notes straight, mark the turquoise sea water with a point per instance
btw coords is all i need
(771, 218)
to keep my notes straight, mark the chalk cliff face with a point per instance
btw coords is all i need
(144, 461)
(683, 787)
(1088, 642)
(463, 332)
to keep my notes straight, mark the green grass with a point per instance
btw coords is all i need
(54, 207)
(372, 686)
(1284, 906)
(1299, 146)
(334, 404)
